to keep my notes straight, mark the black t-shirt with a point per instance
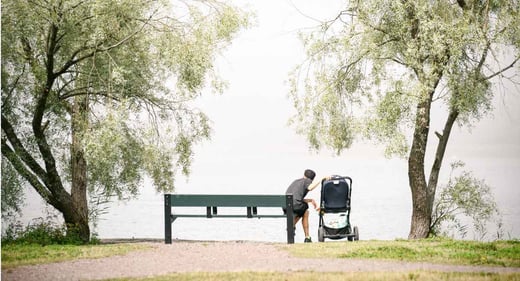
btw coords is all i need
(299, 189)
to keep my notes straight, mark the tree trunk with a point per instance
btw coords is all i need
(423, 193)
(76, 222)
(77, 219)
(421, 199)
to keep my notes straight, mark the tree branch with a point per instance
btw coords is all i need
(98, 48)
(441, 149)
(21, 168)
(20, 150)
(10, 89)
(82, 91)
(52, 179)
(503, 69)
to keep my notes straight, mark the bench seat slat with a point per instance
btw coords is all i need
(225, 216)
(188, 216)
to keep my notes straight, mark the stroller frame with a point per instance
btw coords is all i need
(349, 232)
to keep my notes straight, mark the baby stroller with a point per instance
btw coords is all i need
(335, 210)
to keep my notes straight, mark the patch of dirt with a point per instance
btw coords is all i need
(199, 256)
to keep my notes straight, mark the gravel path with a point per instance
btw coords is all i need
(214, 257)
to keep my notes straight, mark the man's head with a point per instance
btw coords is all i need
(310, 174)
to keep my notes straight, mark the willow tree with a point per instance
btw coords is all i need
(377, 70)
(96, 94)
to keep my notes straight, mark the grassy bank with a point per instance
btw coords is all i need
(28, 254)
(498, 253)
(311, 276)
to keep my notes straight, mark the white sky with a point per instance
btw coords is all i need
(251, 138)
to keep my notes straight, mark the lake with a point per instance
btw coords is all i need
(381, 205)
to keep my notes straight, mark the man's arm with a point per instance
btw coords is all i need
(315, 184)
(314, 204)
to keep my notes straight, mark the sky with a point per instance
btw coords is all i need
(251, 137)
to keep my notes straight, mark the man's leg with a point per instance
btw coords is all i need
(305, 223)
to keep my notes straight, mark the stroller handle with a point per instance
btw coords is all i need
(335, 177)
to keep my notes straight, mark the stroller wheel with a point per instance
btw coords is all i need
(356, 233)
(321, 234)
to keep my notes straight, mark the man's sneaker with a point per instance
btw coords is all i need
(307, 240)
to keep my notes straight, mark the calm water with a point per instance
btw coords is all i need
(381, 206)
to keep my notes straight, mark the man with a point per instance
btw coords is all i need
(299, 189)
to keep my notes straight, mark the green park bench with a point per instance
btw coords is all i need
(212, 202)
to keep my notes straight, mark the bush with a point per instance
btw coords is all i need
(464, 199)
(41, 232)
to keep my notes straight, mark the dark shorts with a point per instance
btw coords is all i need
(299, 211)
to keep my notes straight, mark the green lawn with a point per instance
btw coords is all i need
(498, 253)
(27, 254)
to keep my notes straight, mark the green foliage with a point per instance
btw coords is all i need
(12, 192)
(463, 198)
(120, 76)
(39, 232)
(368, 69)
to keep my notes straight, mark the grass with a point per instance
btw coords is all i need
(331, 276)
(498, 253)
(28, 254)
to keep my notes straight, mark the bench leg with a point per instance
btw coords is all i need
(167, 219)
(290, 219)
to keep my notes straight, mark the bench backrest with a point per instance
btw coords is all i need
(212, 201)
(195, 200)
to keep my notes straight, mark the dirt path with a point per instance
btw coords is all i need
(213, 257)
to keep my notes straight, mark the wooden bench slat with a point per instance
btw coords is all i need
(226, 216)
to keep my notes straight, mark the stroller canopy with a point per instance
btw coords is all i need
(335, 194)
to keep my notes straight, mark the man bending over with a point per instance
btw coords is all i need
(299, 189)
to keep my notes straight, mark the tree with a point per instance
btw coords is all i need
(378, 68)
(96, 94)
